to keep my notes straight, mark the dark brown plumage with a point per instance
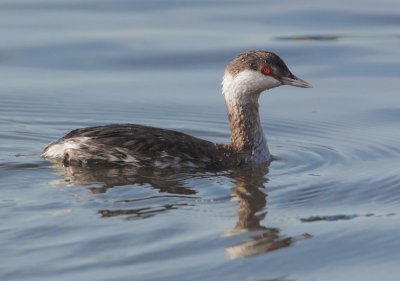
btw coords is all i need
(255, 60)
(146, 145)
(245, 78)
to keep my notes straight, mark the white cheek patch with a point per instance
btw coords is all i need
(248, 84)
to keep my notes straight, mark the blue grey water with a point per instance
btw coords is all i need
(327, 209)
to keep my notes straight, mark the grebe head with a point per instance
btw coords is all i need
(253, 72)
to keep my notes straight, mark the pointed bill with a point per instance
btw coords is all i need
(295, 81)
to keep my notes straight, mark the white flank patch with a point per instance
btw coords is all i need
(57, 150)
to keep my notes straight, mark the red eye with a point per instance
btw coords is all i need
(266, 70)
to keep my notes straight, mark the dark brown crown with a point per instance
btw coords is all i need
(256, 60)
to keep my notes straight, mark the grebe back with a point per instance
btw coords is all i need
(245, 78)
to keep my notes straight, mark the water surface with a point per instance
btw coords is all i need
(326, 209)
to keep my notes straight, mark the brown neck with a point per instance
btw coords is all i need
(247, 137)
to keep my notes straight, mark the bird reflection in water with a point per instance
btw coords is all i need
(98, 180)
(248, 191)
(252, 200)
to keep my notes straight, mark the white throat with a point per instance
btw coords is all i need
(241, 94)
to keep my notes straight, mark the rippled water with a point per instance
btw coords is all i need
(326, 209)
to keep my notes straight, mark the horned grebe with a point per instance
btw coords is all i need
(245, 78)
